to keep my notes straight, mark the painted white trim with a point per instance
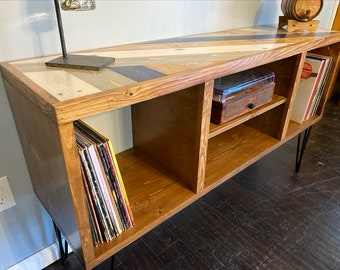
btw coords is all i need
(39, 260)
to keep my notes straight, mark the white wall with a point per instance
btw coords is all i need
(28, 29)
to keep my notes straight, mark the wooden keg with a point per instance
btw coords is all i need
(301, 10)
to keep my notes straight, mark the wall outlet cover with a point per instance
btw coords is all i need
(6, 196)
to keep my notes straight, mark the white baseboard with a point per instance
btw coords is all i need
(39, 260)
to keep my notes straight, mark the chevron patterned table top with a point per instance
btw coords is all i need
(146, 70)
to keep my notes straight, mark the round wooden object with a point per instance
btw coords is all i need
(301, 10)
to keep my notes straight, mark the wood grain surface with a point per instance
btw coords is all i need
(164, 66)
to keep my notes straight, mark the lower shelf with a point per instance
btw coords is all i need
(154, 196)
(295, 128)
(234, 150)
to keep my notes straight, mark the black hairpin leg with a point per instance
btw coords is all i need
(113, 262)
(301, 147)
(63, 248)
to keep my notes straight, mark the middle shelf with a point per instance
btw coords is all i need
(215, 129)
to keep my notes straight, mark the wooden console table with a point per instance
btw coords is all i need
(178, 155)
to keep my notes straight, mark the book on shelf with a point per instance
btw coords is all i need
(106, 199)
(256, 78)
(312, 83)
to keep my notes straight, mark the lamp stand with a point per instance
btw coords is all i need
(89, 62)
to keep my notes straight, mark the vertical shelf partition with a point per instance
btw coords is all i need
(173, 131)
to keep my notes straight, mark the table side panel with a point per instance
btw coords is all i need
(46, 159)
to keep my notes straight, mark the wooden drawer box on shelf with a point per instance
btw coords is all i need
(240, 103)
(241, 92)
(178, 155)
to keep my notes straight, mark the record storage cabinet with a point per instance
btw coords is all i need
(178, 155)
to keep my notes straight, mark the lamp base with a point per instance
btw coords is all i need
(88, 62)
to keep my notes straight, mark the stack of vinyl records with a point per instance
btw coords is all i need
(108, 206)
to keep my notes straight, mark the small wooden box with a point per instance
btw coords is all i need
(241, 102)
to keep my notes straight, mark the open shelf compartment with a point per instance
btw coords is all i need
(214, 129)
(234, 150)
(154, 195)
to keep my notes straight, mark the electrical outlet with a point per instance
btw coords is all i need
(6, 196)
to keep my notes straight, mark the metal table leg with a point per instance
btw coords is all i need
(63, 248)
(301, 147)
